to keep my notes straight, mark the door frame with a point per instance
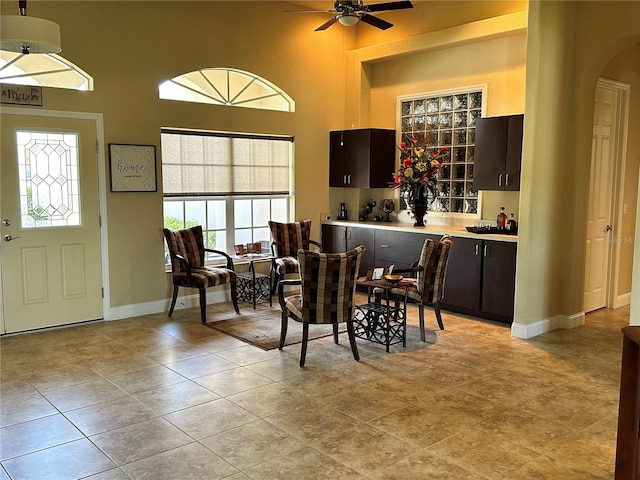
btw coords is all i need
(102, 189)
(613, 300)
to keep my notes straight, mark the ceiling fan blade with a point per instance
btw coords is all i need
(376, 22)
(309, 11)
(327, 24)
(379, 7)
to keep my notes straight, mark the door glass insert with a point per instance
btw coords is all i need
(48, 179)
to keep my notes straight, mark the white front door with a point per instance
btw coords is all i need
(600, 216)
(49, 213)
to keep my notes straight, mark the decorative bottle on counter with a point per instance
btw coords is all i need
(513, 225)
(502, 219)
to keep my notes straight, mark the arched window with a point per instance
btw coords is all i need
(226, 86)
(44, 70)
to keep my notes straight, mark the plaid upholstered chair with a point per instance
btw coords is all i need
(327, 294)
(429, 274)
(186, 248)
(286, 240)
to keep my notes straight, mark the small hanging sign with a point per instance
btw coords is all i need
(21, 95)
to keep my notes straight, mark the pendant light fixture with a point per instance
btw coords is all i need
(22, 34)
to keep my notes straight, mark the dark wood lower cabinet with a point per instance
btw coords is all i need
(337, 239)
(480, 277)
(628, 447)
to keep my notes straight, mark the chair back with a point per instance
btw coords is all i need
(288, 238)
(329, 284)
(433, 260)
(188, 243)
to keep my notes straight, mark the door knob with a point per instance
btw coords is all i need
(608, 228)
(6, 222)
(8, 238)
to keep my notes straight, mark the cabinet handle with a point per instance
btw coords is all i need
(485, 251)
(477, 249)
(349, 177)
(500, 180)
(344, 179)
(506, 179)
(349, 235)
(342, 139)
(384, 246)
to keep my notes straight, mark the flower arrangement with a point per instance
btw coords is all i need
(417, 176)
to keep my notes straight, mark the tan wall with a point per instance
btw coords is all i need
(131, 47)
(569, 43)
(625, 231)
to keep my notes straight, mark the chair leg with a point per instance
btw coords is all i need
(335, 333)
(421, 318)
(173, 299)
(352, 340)
(234, 296)
(275, 281)
(283, 330)
(305, 337)
(436, 308)
(203, 305)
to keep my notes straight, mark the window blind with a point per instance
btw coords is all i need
(221, 163)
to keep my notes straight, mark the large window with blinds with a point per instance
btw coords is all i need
(230, 183)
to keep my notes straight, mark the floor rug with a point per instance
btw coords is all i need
(261, 328)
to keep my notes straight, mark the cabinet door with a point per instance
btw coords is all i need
(358, 147)
(334, 239)
(398, 248)
(463, 277)
(490, 153)
(514, 153)
(382, 158)
(362, 236)
(338, 159)
(499, 278)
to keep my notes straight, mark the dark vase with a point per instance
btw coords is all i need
(419, 211)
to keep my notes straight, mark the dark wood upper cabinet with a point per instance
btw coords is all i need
(498, 153)
(363, 158)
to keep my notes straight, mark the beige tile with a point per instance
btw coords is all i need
(28, 437)
(426, 465)
(309, 424)
(60, 377)
(247, 354)
(210, 418)
(141, 440)
(193, 462)
(484, 454)
(201, 365)
(270, 399)
(72, 460)
(83, 395)
(267, 442)
(113, 474)
(144, 379)
(366, 449)
(175, 397)
(22, 408)
(303, 464)
(232, 381)
(110, 415)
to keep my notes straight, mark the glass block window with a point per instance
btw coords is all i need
(447, 120)
(48, 178)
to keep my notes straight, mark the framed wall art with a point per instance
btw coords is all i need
(133, 168)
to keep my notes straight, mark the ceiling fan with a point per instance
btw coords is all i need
(350, 12)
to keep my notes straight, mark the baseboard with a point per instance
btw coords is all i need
(147, 308)
(622, 300)
(530, 330)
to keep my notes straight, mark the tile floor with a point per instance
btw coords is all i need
(158, 398)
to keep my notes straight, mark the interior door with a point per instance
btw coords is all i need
(599, 216)
(49, 214)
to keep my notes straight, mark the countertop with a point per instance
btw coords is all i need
(454, 231)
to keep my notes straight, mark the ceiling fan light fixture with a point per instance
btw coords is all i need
(22, 34)
(348, 20)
